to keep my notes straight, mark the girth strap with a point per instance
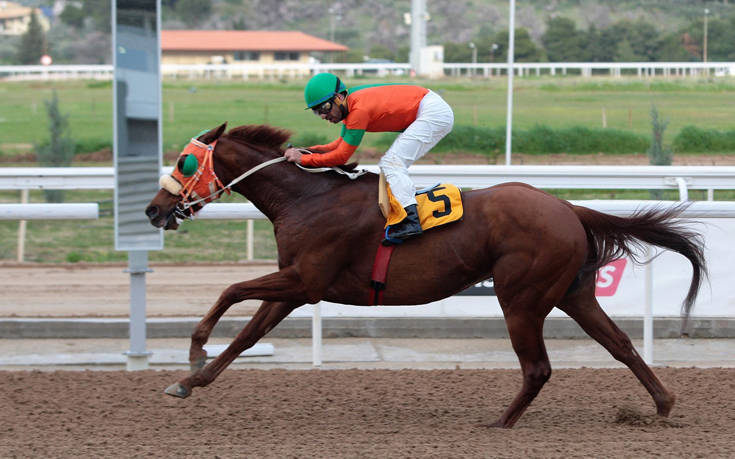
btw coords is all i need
(379, 274)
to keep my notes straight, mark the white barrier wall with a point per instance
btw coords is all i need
(671, 278)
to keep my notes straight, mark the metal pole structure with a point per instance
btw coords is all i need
(137, 267)
(24, 195)
(648, 309)
(704, 46)
(418, 33)
(509, 110)
(473, 47)
(250, 239)
(316, 335)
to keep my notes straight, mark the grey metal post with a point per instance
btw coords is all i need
(137, 267)
(137, 150)
(418, 33)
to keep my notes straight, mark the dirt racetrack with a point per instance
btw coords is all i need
(362, 413)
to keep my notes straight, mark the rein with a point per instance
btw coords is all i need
(234, 182)
(214, 186)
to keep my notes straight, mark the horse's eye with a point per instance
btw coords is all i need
(187, 165)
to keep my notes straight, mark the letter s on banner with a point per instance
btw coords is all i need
(608, 277)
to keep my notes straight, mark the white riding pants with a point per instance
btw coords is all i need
(434, 120)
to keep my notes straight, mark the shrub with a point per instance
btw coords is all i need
(697, 140)
(541, 139)
(92, 145)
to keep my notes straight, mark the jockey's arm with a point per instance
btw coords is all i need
(336, 157)
(325, 148)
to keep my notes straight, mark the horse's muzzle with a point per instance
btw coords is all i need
(160, 219)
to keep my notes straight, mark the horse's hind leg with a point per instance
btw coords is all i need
(268, 316)
(582, 306)
(526, 335)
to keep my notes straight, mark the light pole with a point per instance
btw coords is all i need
(474, 56)
(704, 47)
(334, 16)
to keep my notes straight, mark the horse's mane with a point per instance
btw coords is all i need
(267, 137)
(263, 136)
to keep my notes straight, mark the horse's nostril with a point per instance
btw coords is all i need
(152, 211)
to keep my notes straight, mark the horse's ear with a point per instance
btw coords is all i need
(213, 134)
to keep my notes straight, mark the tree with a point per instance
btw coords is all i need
(193, 12)
(32, 43)
(562, 40)
(73, 16)
(381, 52)
(672, 49)
(625, 52)
(658, 153)
(59, 149)
(525, 50)
(97, 11)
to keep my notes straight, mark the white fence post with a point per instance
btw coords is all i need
(648, 308)
(22, 228)
(316, 335)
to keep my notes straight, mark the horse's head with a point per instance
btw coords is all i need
(191, 184)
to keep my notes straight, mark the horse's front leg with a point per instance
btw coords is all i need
(281, 285)
(268, 316)
(281, 290)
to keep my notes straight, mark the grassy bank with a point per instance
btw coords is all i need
(188, 107)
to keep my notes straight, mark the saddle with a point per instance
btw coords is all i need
(437, 205)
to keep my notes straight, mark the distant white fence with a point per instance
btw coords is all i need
(285, 71)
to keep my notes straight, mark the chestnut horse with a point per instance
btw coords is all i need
(541, 251)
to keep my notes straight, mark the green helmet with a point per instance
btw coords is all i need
(322, 87)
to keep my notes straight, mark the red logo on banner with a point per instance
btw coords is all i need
(608, 277)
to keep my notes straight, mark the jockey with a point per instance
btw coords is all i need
(421, 116)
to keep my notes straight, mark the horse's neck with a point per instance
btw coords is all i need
(275, 189)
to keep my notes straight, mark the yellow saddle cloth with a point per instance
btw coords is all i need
(436, 206)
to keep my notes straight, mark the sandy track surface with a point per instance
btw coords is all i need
(79, 290)
(362, 413)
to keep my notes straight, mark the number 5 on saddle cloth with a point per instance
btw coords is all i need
(437, 205)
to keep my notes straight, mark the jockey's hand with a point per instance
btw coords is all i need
(293, 155)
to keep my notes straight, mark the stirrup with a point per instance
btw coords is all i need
(391, 240)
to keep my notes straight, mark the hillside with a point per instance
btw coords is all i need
(377, 27)
(376, 22)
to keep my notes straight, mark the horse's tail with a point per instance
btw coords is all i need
(612, 237)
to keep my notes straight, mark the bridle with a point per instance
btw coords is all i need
(204, 180)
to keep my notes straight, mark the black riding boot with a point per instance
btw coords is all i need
(407, 228)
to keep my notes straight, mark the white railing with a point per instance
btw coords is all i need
(595, 177)
(246, 211)
(465, 176)
(587, 69)
(681, 178)
(263, 71)
(61, 211)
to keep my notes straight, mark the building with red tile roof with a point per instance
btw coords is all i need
(242, 47)
(15, 18)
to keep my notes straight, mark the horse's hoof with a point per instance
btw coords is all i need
(177, 390)
(197, 364)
